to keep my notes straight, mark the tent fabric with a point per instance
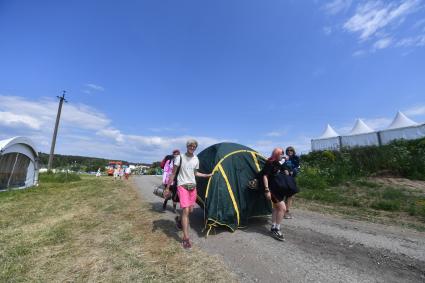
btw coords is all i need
(329, 133)
(326, 144)
(18, 163)
(369, 139)
(401, 121)
(226, 198)
(407, 133)
(360, 127)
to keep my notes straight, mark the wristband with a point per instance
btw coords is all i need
(266, 191)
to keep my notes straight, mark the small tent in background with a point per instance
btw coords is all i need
(360, 135)
(18, 163)
(226, 197)
(328, 140)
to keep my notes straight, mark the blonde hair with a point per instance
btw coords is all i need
(192, 141)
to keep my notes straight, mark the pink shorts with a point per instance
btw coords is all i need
(187, 198)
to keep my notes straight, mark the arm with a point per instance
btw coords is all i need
(202, 175)
(266, 187)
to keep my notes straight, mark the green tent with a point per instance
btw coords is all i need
(226, 197)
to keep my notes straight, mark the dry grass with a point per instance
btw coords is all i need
(92, 230)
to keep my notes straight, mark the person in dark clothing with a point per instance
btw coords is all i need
(273, 192)
(292, 167)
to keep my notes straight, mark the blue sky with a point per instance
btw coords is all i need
(143, 76)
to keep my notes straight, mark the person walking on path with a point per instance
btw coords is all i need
(292, 167)
(186, 186)
(168, 171)
(273, 192)
(127, 172)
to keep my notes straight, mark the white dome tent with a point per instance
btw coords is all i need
(360, 135)
(330, 139)
(18, 163)
(402, 128)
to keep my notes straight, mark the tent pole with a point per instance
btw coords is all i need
(13, 170)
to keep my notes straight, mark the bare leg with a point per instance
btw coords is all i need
(280, 211)
(185, 222)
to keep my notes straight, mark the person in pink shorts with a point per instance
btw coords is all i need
(186, 185)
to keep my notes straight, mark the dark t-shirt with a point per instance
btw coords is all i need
(271, 168)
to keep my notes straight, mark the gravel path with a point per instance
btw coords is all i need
(317, 248)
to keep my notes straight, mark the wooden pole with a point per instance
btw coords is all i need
(55, 133)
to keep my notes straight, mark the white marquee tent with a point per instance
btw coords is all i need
(362, 135)
(328, 140)
(402, 128)
(18, 163)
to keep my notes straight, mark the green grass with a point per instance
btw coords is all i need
(58, 177)
(368, 199)
(93, 229)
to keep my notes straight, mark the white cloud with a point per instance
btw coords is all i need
(91, 88)
(13, 120)
(374, 16)
(84, 131)
(412, 41)
(95, 87)
(382, 43)
(327, 30)
(415, 111)
(337, 6)
(358, 53)
(274, 134)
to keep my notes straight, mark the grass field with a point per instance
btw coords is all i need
(369, 199)
(92, 230)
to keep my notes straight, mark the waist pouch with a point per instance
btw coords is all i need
(189, 187)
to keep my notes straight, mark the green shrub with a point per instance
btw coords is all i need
(58, 177)
(311, 178)
(388, 205)
(399, 158)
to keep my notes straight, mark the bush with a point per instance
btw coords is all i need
(399, 158)
(51, 177)
(311, 178)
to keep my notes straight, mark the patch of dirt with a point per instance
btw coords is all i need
(399, 182)
(318, 248)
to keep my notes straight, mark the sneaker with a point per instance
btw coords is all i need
(186, 244)
(288, 215)
(178, 223)
(164, 206)
(277, 234)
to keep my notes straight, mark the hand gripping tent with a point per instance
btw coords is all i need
(226, 197)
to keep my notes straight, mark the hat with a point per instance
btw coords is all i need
(176, 151)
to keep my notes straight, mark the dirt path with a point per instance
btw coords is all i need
(317, 248)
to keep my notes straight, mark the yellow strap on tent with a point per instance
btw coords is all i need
(256, 161)
(229, 188)
(254, 153)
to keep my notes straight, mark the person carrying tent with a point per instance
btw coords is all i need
(168, 171)
(186, 186)
(274, 190)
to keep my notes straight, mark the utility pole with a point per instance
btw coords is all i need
(55, 133)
